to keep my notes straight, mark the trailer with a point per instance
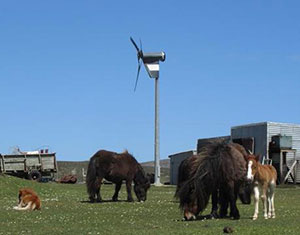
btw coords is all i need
(36, 165)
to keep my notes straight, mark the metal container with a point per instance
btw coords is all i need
(282, 142)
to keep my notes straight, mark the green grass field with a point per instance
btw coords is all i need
(65, 211)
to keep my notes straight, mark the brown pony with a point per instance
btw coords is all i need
(188, 167)
(263, 176)
(116, 167)
(220, 169)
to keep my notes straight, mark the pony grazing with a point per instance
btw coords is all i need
(116, 167)
(187, 169)
(218, 170)
(263, 176)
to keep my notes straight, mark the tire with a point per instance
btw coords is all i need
(35, 175)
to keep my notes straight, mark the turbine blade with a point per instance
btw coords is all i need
(141, 46)
(137, 76)
(133, 42)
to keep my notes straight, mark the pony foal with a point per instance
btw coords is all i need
(264, 177)
(28, 200)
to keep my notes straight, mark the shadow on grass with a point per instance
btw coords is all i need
(289, 186)
(210, 217)
(103, 201)
(198, 217)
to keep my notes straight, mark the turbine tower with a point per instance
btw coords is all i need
(151, 63)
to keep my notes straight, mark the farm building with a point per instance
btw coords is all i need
(276, 143)
(175, 161)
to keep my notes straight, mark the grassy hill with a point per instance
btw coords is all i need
(65, 211)
(77, 168)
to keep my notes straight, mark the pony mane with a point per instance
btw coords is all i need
(125, 151)
(140, 176)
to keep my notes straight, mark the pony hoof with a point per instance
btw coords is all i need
(235, 217)
(222, 216)
(15, 208)
(189, 219)
(254, 218)
(214, 215)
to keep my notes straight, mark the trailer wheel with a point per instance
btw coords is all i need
(35, 175)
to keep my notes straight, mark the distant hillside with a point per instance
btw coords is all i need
(80, 168)
(165, 163)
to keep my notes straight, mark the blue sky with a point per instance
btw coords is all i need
(67, 73)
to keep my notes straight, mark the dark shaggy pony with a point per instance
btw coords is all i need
(116, 167)
(218, 170)
(187, 169)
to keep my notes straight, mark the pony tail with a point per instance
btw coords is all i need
(91, 178)
(140, 176)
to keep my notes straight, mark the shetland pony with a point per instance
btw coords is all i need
(264, 177)
(116, 167)
(187, 169)
(28, 200)
(219, 170)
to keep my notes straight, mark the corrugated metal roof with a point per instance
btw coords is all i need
(265, 123)
(177, 154)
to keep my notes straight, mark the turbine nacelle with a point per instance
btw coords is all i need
(150, 60)
(154, 57)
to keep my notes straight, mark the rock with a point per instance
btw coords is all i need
(68, 179)
(228, 229)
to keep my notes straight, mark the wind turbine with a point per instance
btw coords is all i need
(151, 63)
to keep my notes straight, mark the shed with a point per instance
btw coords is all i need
(279, 142)
(175, 161)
